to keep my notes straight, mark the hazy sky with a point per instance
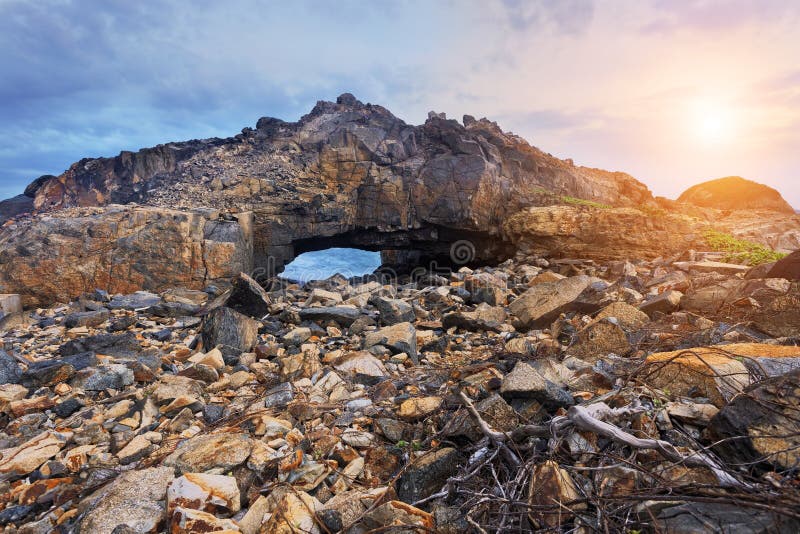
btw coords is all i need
(672, 92)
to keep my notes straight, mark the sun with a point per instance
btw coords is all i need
(712, 123)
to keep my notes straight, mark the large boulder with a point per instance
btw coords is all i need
(761, 425)
(788, 267)
(543, 303)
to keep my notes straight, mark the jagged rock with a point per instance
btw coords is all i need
(664, 303)
(483, 318)
(543, 303)
(135, 301)
(553, 492)
(628, 317)
(427, 474)
(247, 297)
(788, 267)
(61, 259)
(102, 377)
(401, 337)
(495, 411)
(216, 494)
(189, 520)
(124, 345)
(135, 499)
(393, 311)
(295, 512)
(417, 408)
(527, 383)
(760, 425)
(10, 370)
(343, 315)
(599, 339)
(717, 373)
(711, 267)
(399, 517)
(361, 363)
(690, 518)
(20, 461)
(89, 318)
(203, 453)
(228, 328)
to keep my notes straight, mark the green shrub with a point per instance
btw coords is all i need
(583, 202)
(739, 250)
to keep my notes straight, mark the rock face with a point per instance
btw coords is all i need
(735, 193)
(347, 172)
(120, 249)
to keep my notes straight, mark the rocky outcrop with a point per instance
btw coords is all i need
(735, 193)
(596, 233)
(121, 249)
(348, 171)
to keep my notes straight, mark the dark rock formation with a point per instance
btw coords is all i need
(347, 170)
(735, 193)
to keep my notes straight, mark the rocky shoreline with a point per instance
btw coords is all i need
(541, 394)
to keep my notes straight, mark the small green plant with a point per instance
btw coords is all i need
(584, 202)
(653, 212)
(402, 444)
(740, 251)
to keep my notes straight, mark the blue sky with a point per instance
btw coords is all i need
(672, 92)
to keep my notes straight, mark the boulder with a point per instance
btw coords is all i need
(599, 339)
(427, 474)
(525, 382)
(211, 451)
(393, 311)
(10, 370)
(483, 318)
(247, 297)
(342, 315)
(135, 500)
(717, 372)
(231, 329)
(216, 494)
(788, 267)
(543, 303)
(663, 303)
(401, 337)
(553, 494)
(761, 424)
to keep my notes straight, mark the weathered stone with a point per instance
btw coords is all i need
(665, 303)
(483, 318)
(393, 311)
(495, 411)
(543, 303)
(427, 474)
(418, 408)
(189, 520)
(89, 318)
(711, 267)
(628, 317)
(343, 315)
(247, 297)
(206, 452)
(102, 377)
(135, 499)
(216, 494)
(401, 337)
(226, 327)
(10, 370)
(788, 267)
(361, 363)
(599, 339)
(399, 517)
(690, 518)
(20, 461)
(124, 345)
(717, 373)
(135, 301)
(553, 492)
(295, 512)
(526, 382)
(760, 425)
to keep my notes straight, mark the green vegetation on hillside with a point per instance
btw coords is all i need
(739, 250)
(583, 202)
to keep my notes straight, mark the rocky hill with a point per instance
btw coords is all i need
(735, 193)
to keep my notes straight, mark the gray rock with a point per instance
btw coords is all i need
(279, 396)
(136, 301)
(401, 337)
(123, 345)
(483, 318)
(691, 518)
(102, 377)
(248, 297)
(544, 302)
(135, 499)
(343, 315)
(526, 382)
(393, 311)
(667, 302)
(89, 318)
(427, 474)
(229, 328)
(10, 370)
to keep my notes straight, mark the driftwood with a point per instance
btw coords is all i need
(593, 418)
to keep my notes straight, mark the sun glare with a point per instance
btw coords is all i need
(712, 123)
